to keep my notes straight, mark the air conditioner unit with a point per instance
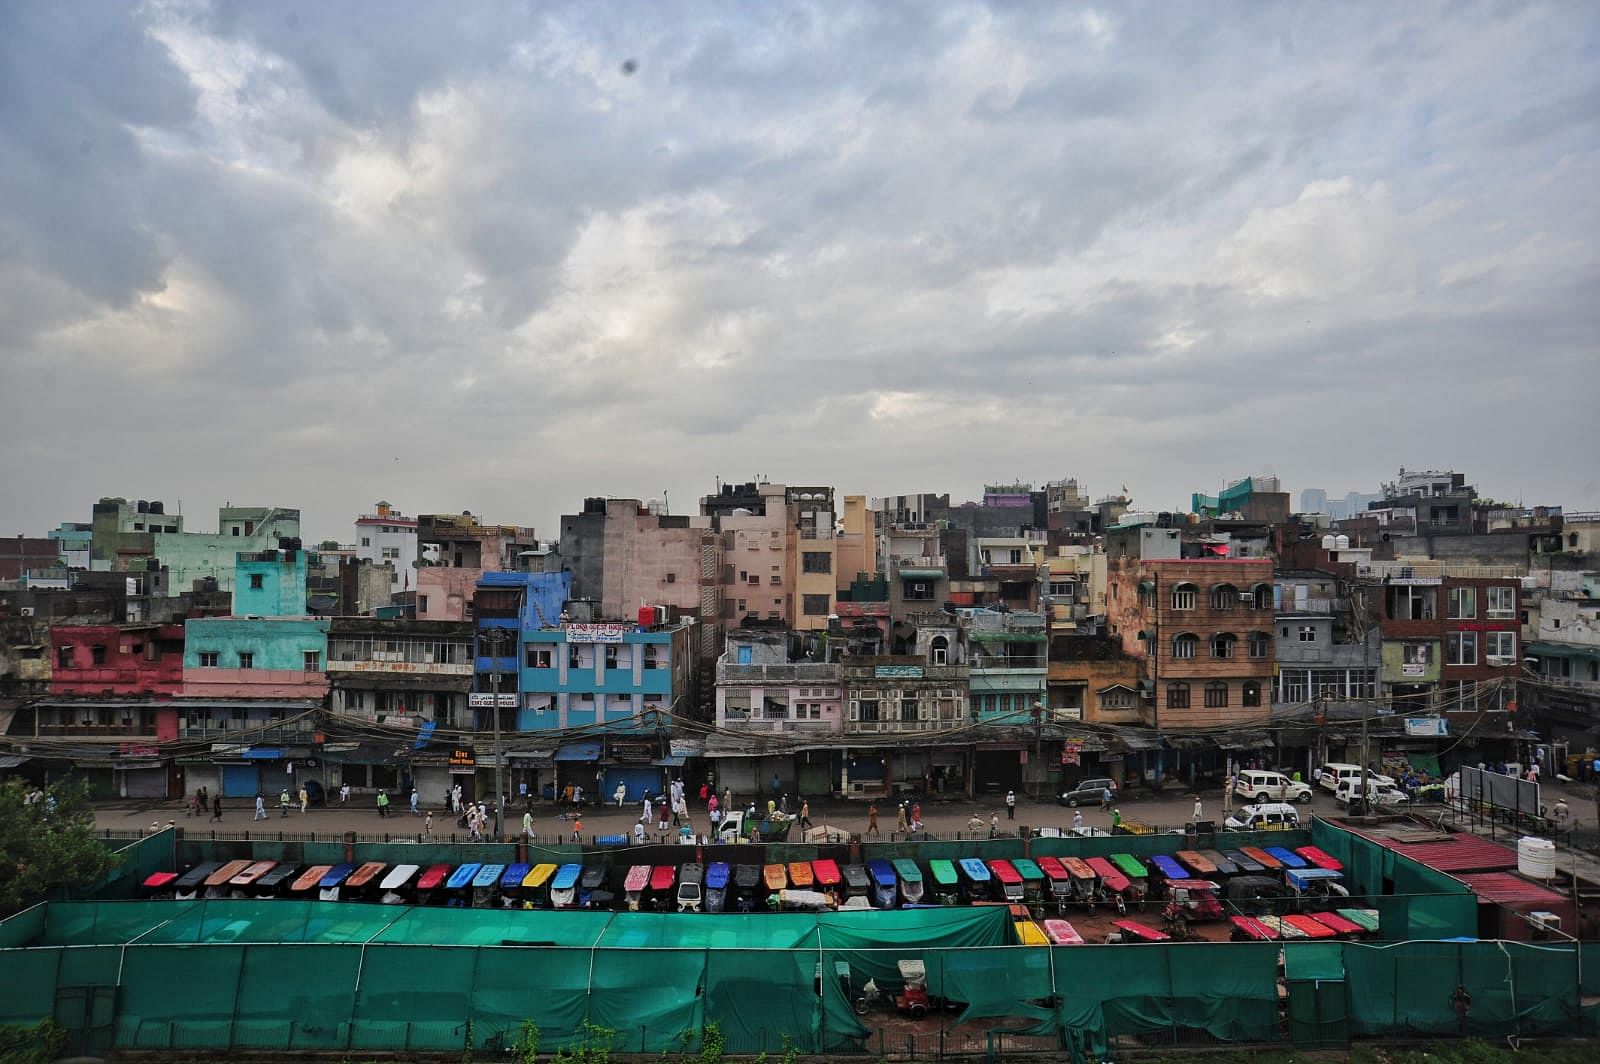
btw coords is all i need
(26, 611)
(1545, 921)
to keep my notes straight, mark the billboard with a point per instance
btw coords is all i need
(1499, 791)
(597, 633)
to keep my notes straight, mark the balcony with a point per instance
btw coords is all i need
(808, 672)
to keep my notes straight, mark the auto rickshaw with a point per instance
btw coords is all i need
(1191, 899)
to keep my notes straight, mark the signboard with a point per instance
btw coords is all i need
(1427, 726)
(461, 757)
(1416, 659)
(897, 672)
(687, 748)
(414, 667)
(485, 700)
(597, 633)
(1071, 751)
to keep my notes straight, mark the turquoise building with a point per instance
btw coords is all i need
(270, 583)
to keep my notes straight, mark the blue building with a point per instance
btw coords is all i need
(270, 583)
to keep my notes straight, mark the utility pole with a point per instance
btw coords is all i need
(495, 637)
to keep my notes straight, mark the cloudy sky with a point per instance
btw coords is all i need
(476, 257)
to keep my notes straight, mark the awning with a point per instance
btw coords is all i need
(1244, 741)
(669, 762)
(536, 754)
(12, 760)
(367, 754)
(1188, 742)
(263, 753)
(1147, 585)
(921, 574)
(578, 752)
(1135, 742)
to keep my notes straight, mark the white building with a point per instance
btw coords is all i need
(389, 536)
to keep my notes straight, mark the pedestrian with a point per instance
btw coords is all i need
(772, 809)
(455, 799)
(620, 794)
(872, 820)
(522, 791)
(193, 810)
(638, 832)
(662, 813)
(805, 814)
(283, 803)
(727, 792)
(649, 808)
(1199, 809)
(577, 794)
(1561, 813)
(414, 799)
(427, 824)
(305, 799)
(1116, 819)
(705, 792)
(577, 830)
(344, 794)
(216, 806)
(712, 805)
(1227, 793)
(261, 808)
(1077, 820)
(1011, 805)
(677, 818)
(383, 803)
(900, 820)
(527, 823)
(994, 825)
(716, 819)
(975, 824)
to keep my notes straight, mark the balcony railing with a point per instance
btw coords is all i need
(880, 727)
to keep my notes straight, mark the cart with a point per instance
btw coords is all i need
(1191, 899)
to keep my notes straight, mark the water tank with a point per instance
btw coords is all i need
(1329, 542)
(1536, 858)
(1342, 543)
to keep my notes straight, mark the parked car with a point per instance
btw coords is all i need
(1380, 789)
(1262, 786)
(1266, 816)
(1329, 776)
(1091, 792)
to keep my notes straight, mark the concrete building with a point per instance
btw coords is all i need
(911, 557)
(75, 541)
(755, 564)
(1009, 659)
(1091, 680)
(1202, 630)
(765, 686)
(122, 531)
(1074, 598)
(1326, 650)
(388, 537)
(856, 549)
(272, 658)
(192, 558)
(270, 583)
(454, 551)
(121, 661)
(22, 555)
(810, 557)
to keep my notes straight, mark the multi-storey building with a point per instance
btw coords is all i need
(911, 557)
(856, 550)
(122, 661)
(1091, 680)
(271, 583)
(1563, 694)
(810, 557)
(755, 565)
(1074, 590)
(454, 551)
(388, 537)
(192, 557)
(1326, 650)
(1009, 663)
(764, 686)
(1202, 629)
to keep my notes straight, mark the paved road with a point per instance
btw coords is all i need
(944, 817)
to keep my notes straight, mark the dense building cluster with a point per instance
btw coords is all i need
(840, 644)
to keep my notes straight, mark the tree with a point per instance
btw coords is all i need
(47, 843)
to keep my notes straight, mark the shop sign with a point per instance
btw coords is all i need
(462, 758)
(1427, 727)
(897, 672)
(486, 700)
(1072, 751)
(597, 633)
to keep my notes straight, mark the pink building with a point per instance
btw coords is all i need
(657, 560)
(454, 551)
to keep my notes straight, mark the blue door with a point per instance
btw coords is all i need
(637, 777)
(744, 655)
(240, 781)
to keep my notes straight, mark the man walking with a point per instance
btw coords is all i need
(900, 821)
(1077, 820)
(344, 794)
(1199, 809)
(283, 803)
(216, 806)
(261, 808)
(872, 820)
(383, 803)
(305, 799)
(1011, 805)
(427, 824)
(805, 814)
(1227, 793)
(414, 797)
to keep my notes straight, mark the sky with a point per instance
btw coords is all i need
(500, 258)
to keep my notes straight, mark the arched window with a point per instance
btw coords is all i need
(1185, 644)
(1224, 597)
(1183, 596)
(1177, 696)
(939, 650)
(1259, 645)
(1216, 695)
(1222, 644)
(1262, 594)
(1250, 695)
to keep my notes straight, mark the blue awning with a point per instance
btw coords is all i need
(263, 753)
(578, 752)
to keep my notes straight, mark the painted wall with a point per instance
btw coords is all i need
(606, 682)
(279, 667)
(282, 580)
(191, 556)
(146, 660)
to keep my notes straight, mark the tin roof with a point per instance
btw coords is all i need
(1446, 853)
(1512, 891)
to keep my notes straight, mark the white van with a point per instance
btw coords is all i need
(1329, 776)
(1380, 789)
(1259, 786)
(1267, 816)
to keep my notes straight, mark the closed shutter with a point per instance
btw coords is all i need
(241, 781)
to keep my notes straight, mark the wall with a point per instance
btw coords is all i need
(279, 646)
(191, 556)
(283, 585)
(444, 591)
(650, 560)
(126, 670)
(856, 549)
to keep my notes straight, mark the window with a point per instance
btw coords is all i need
(816, 562)
(391, 552)
(1063, 589)
(422, 603)
(257, 581)
(1258, 645)
(97, 654)
(208, 659)
(1410, 603)
(64, 657)
(1177, 696)
(814, 605)
(538, 659)
(1262, 595)
(908, 708)
(1185, 645)
(1308, 633)
(1222, 644)
(920, 592)
(1462, 603)
(366, 541)
(247, 660)
(1116, 698)
(650, 661)
(1216, 695)
(1461, 648)
(672, 578)
(1250, 693)
(1183, 597)
(1224, 597)
(869, 709)
(1502, 603)
(1501, 647)
(311, 661)
(939, 650)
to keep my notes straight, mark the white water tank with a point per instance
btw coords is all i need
(1328, 541)
(1342, 543)
(1536, 858)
